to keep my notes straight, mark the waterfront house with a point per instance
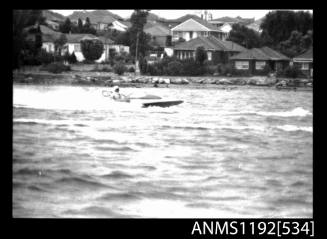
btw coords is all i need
(254, 61)
(305, 62)
(160, 35)
(194, 27)
(74, 45)
(218, 51)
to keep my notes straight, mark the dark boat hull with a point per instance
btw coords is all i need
(162, 103)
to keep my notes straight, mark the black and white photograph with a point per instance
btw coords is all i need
(162, 113)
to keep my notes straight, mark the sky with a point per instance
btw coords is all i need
(172, 14)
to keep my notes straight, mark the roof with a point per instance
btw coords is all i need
(209, 43)
(76, 38)
(157, 30)
(106, 40)
(200, 21)
(308, 55)
(126, 23)
(256, 25)
(234, 20)
(97, 16)
(264, 53)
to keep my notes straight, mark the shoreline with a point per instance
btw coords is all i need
(91, 78)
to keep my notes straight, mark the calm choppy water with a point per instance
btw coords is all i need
(246, 152)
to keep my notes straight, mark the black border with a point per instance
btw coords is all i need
(149, 228)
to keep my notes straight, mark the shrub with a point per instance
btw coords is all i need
(210, 69)
(45, 57)
(120, 68)
(266, 70)
(292, 72)
(86, 61)
(225, 69)
(106, 69)
(56, 67)
(192, 68)
(72, 58)
(200, 55)
(92, 49)
(174, 68)
(143, 65)
(131, 69)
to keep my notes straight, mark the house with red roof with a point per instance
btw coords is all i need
(305, 62)
(194, 27)
(254, 61)
(218, 51)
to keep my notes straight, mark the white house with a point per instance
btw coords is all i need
(119, 26)
(194, 27)
(74, 45)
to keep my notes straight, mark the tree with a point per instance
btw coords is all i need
(79, 26)
(59, 43)
(21, 20)
(87, 27)
(296, 44)
(139, 41)
(244, 36)
(278, 25)
(66, 26)
(200, 55)
(92, 49)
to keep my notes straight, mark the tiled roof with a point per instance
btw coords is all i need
(106, 40)
(99, 16)
(76, 38)
(197, 19)
(264, 53)
(209, 43)
(157, 30)
(234, 20)
(308, 55)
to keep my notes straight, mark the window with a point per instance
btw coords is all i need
(191, 35)
(259, 65)
(209, 54)
(77, 47)
(242, 65)
(305, 66)
(205, 34)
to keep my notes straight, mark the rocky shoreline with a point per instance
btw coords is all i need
(131, 80)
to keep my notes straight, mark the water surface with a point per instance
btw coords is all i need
(245, 152)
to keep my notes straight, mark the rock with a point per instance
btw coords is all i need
(185, 81)
(208, 81)
(155, 80)
(176, 81)
(239, 81)
(224, 81)
(164, 81)
(29, 79)
(116, 81)
(108, 82)
(125, 79)
(167, 81)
